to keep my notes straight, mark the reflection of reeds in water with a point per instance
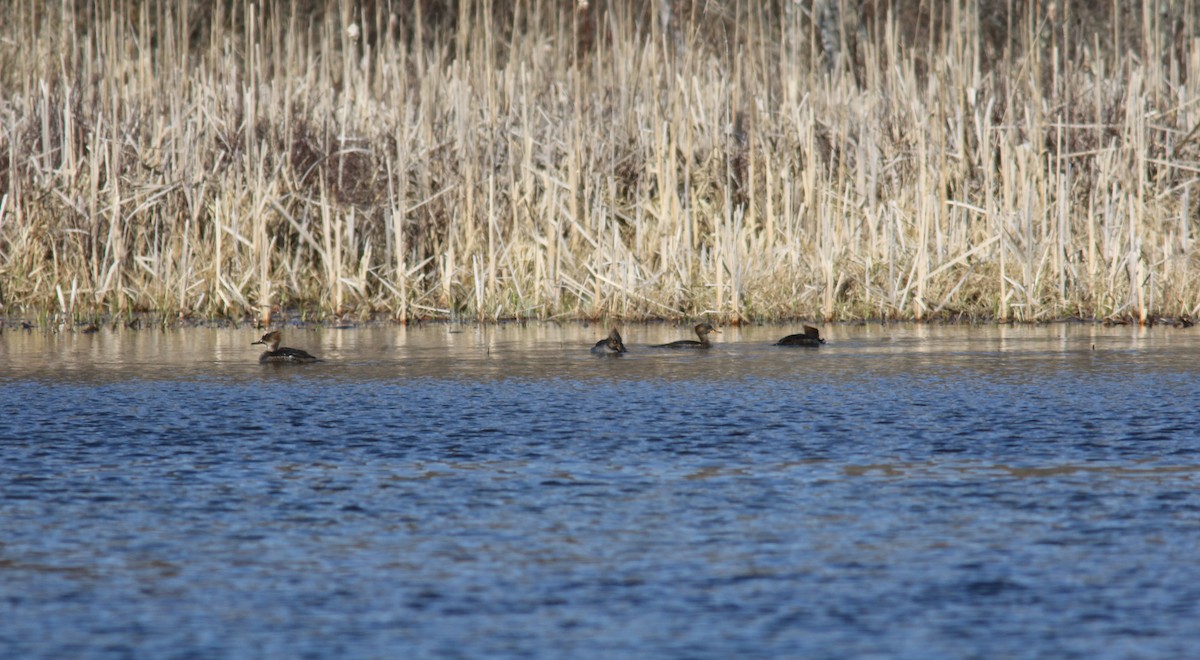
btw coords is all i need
(599, 159)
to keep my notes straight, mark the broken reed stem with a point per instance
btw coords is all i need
(733, 159)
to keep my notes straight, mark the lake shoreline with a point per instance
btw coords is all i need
(91, 324)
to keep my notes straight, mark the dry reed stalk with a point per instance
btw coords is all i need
(732, 157)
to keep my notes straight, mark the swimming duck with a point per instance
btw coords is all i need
(811, 337)
(702, 331)
(610, 345)
(276, 355)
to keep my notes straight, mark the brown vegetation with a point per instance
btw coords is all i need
(557, 158)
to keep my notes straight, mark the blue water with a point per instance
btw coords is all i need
(902, 492)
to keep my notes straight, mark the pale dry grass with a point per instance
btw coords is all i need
(738, 159)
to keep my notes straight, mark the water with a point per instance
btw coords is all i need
(903, 491)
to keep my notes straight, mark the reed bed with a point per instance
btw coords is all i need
(737, 159)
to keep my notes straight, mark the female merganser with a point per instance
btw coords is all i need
(276, 355)
(811, 337)
(702, 331)
(610, 345)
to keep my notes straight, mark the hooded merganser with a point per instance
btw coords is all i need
(610, 345)
(702, 330)
(276, 355)
(811, 337)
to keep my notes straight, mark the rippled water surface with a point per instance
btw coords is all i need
(458, 491)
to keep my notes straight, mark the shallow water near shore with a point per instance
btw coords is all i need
(904, 490)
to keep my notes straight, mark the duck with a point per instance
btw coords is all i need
(810, 337)
(276, 355)
(702, 330)
(610, 345)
